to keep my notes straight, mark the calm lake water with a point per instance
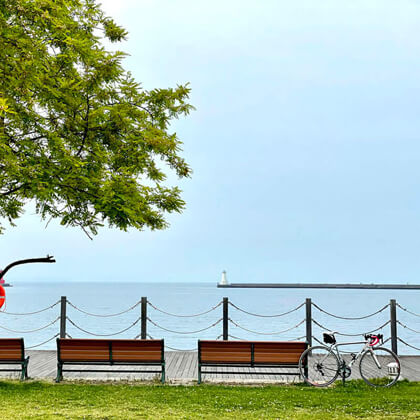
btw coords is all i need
(187, 298)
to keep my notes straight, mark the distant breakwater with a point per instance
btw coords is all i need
(321, 286)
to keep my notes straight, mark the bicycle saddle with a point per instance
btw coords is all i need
(329, 337)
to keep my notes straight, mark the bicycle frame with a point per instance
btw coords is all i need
(366, 348)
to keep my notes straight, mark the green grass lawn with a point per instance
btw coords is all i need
(44, 400)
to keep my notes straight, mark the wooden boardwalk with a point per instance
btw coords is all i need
(181, 367)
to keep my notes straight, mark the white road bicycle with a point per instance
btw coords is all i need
(321, 365)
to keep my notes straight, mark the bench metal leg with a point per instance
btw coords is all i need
(59, 372)
(163, 373)
(24, 374)
(199, 374)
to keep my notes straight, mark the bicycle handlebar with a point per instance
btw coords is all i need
(374, 339)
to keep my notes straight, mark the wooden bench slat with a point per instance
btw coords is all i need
(156, 356)
(277, 359)
(10, 356)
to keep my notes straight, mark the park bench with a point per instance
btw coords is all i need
(12, 352)
(268, 354)
(112, 352)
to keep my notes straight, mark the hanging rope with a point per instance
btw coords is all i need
(314, 338)
(409, 345)
(31, 331)
(184, 316)
(104, 315)
(184, 332)
(139, 335)
(266, 333)
(234, 337)
(31, 313)
(103, 335)
(266, 316)
(173, 348)
(299, 338)
(386, 341)
(44, 342)
(406, 310)
(350, 335)
(347, 317)
(408, 328)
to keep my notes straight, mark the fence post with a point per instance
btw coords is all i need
(143, 318)
(308, 305)
(63, 316)
(225, 318)
(394, 336)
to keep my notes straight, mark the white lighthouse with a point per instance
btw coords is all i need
(223, 281)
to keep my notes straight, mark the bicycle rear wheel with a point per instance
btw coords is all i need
(318, 366)
(380, 367)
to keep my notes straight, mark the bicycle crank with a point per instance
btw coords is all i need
(345, 372)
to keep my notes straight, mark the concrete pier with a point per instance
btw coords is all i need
(321, 286)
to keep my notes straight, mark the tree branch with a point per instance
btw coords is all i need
(86, 128)
(13, 190)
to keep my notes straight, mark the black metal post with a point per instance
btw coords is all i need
(225, 318)
(63, 316)
(394, 336)
(143, 318)
(308, 305)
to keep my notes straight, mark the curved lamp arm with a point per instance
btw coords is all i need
(47, 259)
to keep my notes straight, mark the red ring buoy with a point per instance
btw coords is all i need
(2, 296)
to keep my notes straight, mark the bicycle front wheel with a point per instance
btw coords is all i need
(380, 367)
(318, 366)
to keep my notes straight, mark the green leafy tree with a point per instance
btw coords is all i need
(78, 135)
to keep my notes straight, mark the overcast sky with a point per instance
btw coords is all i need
(304, 145)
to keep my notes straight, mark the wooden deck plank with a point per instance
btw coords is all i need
(192, 359)
(174, 373)
(189, 360)
(181, 373)
(171, 360)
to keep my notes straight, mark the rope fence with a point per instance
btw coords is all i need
(31, 331)
(103, 335)
(408, 345)
(41, 344)
(266, 333)
(348, 317)
(266, 316)
(350, 335)
(176, 349)
(30, 313)
(408, 328)
(104, 315)
(144, 321)
(185, 332)
(408, 311)
(184, 316)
